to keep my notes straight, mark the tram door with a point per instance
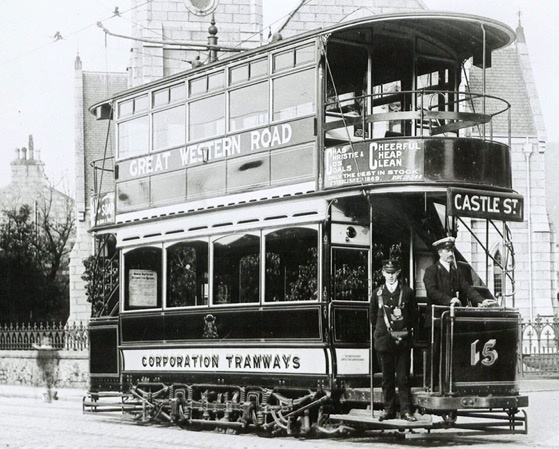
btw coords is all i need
(349, 255)
(364, 232)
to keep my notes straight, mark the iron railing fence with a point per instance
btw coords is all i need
(539, 354)
(30, 336)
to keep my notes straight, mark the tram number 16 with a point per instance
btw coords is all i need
(488, 352)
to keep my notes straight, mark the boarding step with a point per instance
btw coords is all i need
(110, 401)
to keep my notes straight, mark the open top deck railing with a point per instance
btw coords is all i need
(419, 113)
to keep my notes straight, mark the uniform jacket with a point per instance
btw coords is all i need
(442, 286)
(382, 339)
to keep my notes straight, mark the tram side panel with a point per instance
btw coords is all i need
(104, 358)
(271, 348)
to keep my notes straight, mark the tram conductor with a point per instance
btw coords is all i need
(444, 283)
(392, 318)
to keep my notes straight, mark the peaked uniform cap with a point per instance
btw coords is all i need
(447, 242)
(390, 266)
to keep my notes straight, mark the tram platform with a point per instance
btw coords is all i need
(370, 421)
(480, 421)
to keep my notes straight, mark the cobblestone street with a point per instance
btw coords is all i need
(28, 422)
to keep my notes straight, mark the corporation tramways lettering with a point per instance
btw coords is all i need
(266, 361)
(187, 361)
(230, 361)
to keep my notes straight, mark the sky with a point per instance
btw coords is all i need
(37, 70)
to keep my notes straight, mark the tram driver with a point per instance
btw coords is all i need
(444, 283)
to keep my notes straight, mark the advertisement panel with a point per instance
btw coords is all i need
(102, 209)
(372, 162)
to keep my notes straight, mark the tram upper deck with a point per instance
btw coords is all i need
(382, 101)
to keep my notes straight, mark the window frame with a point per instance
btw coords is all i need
(124, 273)
(319, 260)
(171, 244)
(367, 250)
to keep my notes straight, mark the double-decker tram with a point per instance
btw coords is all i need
(253, 201)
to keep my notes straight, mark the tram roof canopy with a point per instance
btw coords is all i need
(462, 34)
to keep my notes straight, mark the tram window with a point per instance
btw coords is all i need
(304, 55)
(169, 188)
(142, 271)
(294, 57)
(198, 86)
(187, 274)
(126, 108)
(238, 74)
(293, 95)
(160, 97)
(292, 265)
(284, 60)
(248, 172)
(169, 95)
(207, 117)
(132, 195)
(134, 106)
(349, 274)
(248, 71)
(259, 68)
(428, 80)
(206, 180)
(236, 269)
(133, 137)
(216, 81)
(141, 104)
(169, 127)
(248, 107)
(293, 164)
(177, 93)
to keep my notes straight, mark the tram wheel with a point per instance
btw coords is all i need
(449, 417)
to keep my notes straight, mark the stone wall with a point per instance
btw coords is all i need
(22, 368)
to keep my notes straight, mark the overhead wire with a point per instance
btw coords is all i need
(61, 36)
(159, 34)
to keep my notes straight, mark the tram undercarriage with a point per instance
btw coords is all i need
(319, 413)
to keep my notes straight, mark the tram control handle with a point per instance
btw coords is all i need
(487, 303)
(455, 302)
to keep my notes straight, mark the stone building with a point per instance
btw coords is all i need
(93, 141)
(29, 185)
(240, 25)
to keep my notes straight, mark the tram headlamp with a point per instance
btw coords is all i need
(350, 233)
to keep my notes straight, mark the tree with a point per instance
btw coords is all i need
(34, 254)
